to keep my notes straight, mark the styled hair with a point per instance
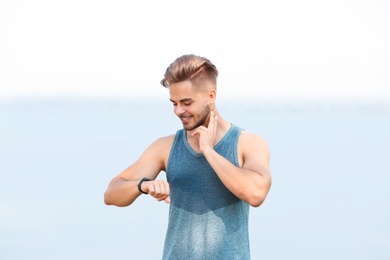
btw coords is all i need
(193, 68)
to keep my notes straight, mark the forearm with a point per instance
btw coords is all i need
(247, 185)
(121, 192)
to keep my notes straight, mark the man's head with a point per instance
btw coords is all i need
(195, 69)
(192, 86)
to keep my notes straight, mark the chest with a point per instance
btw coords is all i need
(194, 144)
(236, 156)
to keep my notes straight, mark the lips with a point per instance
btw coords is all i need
(185, 119)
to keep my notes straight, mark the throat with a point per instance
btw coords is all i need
(193, 142)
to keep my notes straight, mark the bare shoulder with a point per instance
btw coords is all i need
(162, 146)
(153, 160)
(249, 139)
(158, 151)
(165, 140)
(253, 146)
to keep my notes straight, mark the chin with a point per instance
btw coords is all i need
(188, 128)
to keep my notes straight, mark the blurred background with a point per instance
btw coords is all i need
(80, 100)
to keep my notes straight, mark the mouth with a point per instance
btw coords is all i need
(185, 119)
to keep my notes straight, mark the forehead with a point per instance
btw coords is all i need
(183, 90)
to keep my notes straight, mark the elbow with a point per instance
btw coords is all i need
(256, 199)
(258, 196)
(107, 199)
(111, 200)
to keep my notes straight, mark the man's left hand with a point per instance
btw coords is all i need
(207, 135)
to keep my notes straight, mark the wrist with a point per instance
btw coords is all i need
(140, 184)
(208, 150)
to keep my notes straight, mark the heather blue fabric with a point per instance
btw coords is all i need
(206, 220)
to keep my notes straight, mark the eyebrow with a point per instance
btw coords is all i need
(183, 100)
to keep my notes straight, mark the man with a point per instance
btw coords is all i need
(214, 169)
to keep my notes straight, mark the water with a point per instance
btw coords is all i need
(330, 164)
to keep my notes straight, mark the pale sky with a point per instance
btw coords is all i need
(268, 49)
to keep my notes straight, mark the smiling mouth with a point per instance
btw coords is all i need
(185, 119)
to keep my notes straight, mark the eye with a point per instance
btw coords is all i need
(187, 104)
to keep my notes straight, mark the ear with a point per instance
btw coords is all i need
(212, 95)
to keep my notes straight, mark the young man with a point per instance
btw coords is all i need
(214, 169)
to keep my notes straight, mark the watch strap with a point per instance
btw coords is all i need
(140, 183)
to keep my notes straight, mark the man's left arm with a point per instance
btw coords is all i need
(250, 182)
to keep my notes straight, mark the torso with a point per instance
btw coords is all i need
(210, 221)
(193, 142)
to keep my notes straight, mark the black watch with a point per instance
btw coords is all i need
(140, 182)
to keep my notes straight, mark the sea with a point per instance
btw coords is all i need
(330, 166)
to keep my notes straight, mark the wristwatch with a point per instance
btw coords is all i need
(140, 182)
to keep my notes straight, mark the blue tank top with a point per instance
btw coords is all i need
(206, 220)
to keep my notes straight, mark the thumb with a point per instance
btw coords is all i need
(167, 200)
(195, 132)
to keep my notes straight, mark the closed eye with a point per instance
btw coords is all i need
(185, 102)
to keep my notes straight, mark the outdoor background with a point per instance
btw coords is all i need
(80, 100)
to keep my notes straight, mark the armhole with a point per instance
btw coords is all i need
(236, 151)
(177, 136)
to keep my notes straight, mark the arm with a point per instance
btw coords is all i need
(252, 181)
(123, 191)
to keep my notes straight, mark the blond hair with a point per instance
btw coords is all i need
(198, 70)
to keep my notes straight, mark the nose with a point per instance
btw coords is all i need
(178, 110)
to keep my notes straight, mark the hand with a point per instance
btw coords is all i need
(206, 136)
(158, 189)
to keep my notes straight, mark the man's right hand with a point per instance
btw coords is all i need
(158, 189)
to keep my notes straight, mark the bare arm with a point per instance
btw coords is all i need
(249, 182)
(252, 181)
(123, 191)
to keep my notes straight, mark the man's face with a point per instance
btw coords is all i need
(190, 106)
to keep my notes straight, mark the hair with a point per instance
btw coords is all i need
(198, 70)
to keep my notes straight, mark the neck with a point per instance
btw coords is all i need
(222, 125)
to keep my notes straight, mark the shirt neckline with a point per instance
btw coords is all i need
(189, 148)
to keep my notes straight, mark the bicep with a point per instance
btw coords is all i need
(255, 155)
(150, 163)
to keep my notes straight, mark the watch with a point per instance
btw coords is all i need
(140, 182)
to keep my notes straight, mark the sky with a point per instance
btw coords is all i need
(266, 49)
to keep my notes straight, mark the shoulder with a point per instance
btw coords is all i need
(163, 143)
(157, 152)
(250, 144)
(247, 138)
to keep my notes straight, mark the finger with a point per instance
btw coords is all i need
(161, 189)
(211, 121)
(165, 192)
(198, 130)
(154, 189)
(167, 188)
(167, 199)
(158, 189)
(164, 187)
(195, 132)
(150, 187)
(215, 125)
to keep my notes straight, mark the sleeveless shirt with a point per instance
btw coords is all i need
(206, 220)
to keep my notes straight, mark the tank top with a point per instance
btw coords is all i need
(206, 221)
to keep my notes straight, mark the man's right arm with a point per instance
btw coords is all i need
(123, 191)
